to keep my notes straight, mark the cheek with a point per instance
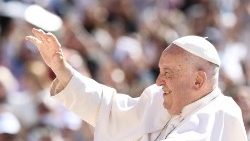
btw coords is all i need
(180, 88)
(184, 82)
(179, 84)
(176, 84)
(168, 101)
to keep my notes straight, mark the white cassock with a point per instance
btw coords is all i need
(118, 117)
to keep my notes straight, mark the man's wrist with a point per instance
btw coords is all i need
(64, 73)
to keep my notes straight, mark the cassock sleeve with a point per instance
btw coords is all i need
(113, 115)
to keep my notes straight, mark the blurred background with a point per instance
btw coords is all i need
(116, 42)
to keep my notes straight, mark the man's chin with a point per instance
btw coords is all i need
(167, 100)
(167, 107)
(171, 110)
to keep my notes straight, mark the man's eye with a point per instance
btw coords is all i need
(167, 75)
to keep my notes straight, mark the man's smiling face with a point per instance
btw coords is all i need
(176, 78)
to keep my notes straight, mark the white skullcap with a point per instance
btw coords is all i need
(200, 47)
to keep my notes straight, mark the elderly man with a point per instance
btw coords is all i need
(193, 107)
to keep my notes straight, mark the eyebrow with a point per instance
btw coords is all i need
(166, 69)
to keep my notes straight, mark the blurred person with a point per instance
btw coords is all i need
(8, 84)
(243, 25)
(237, 73)
(44, 132)
(8, 89)
(128, 53)
(123, 11)
(193, 106)
(243, 14)
(9, 126)
(241, 96)
(35, 86)
(7, 45)
(79, 40)
(95, 17)
(70, 125)
(31, 109)
(114, 75)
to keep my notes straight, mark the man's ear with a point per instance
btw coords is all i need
(200, 78)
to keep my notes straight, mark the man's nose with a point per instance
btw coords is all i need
(159, 81)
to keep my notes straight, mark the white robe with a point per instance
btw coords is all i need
(118, 117)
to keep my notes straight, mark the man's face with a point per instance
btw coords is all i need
(176, 80)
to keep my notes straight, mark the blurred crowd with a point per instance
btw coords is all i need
(118, 43)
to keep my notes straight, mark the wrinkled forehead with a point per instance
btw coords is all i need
(173, 56)
(174, 50)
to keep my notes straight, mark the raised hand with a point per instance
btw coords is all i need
(51, 52)
(49, 48)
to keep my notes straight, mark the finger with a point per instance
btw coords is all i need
(52, 37)
(38, 33)
(59, 54)
(33, 40)
(43, 35)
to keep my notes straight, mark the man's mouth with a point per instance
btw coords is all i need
(167, 92)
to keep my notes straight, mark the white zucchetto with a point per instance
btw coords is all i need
(200, 47)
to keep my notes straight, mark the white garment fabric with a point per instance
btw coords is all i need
(118, 117)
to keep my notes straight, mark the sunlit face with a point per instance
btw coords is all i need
(176, 79)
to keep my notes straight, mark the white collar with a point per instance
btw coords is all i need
(188, 109)
(176, 120)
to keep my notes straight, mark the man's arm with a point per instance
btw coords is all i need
(114, 116)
